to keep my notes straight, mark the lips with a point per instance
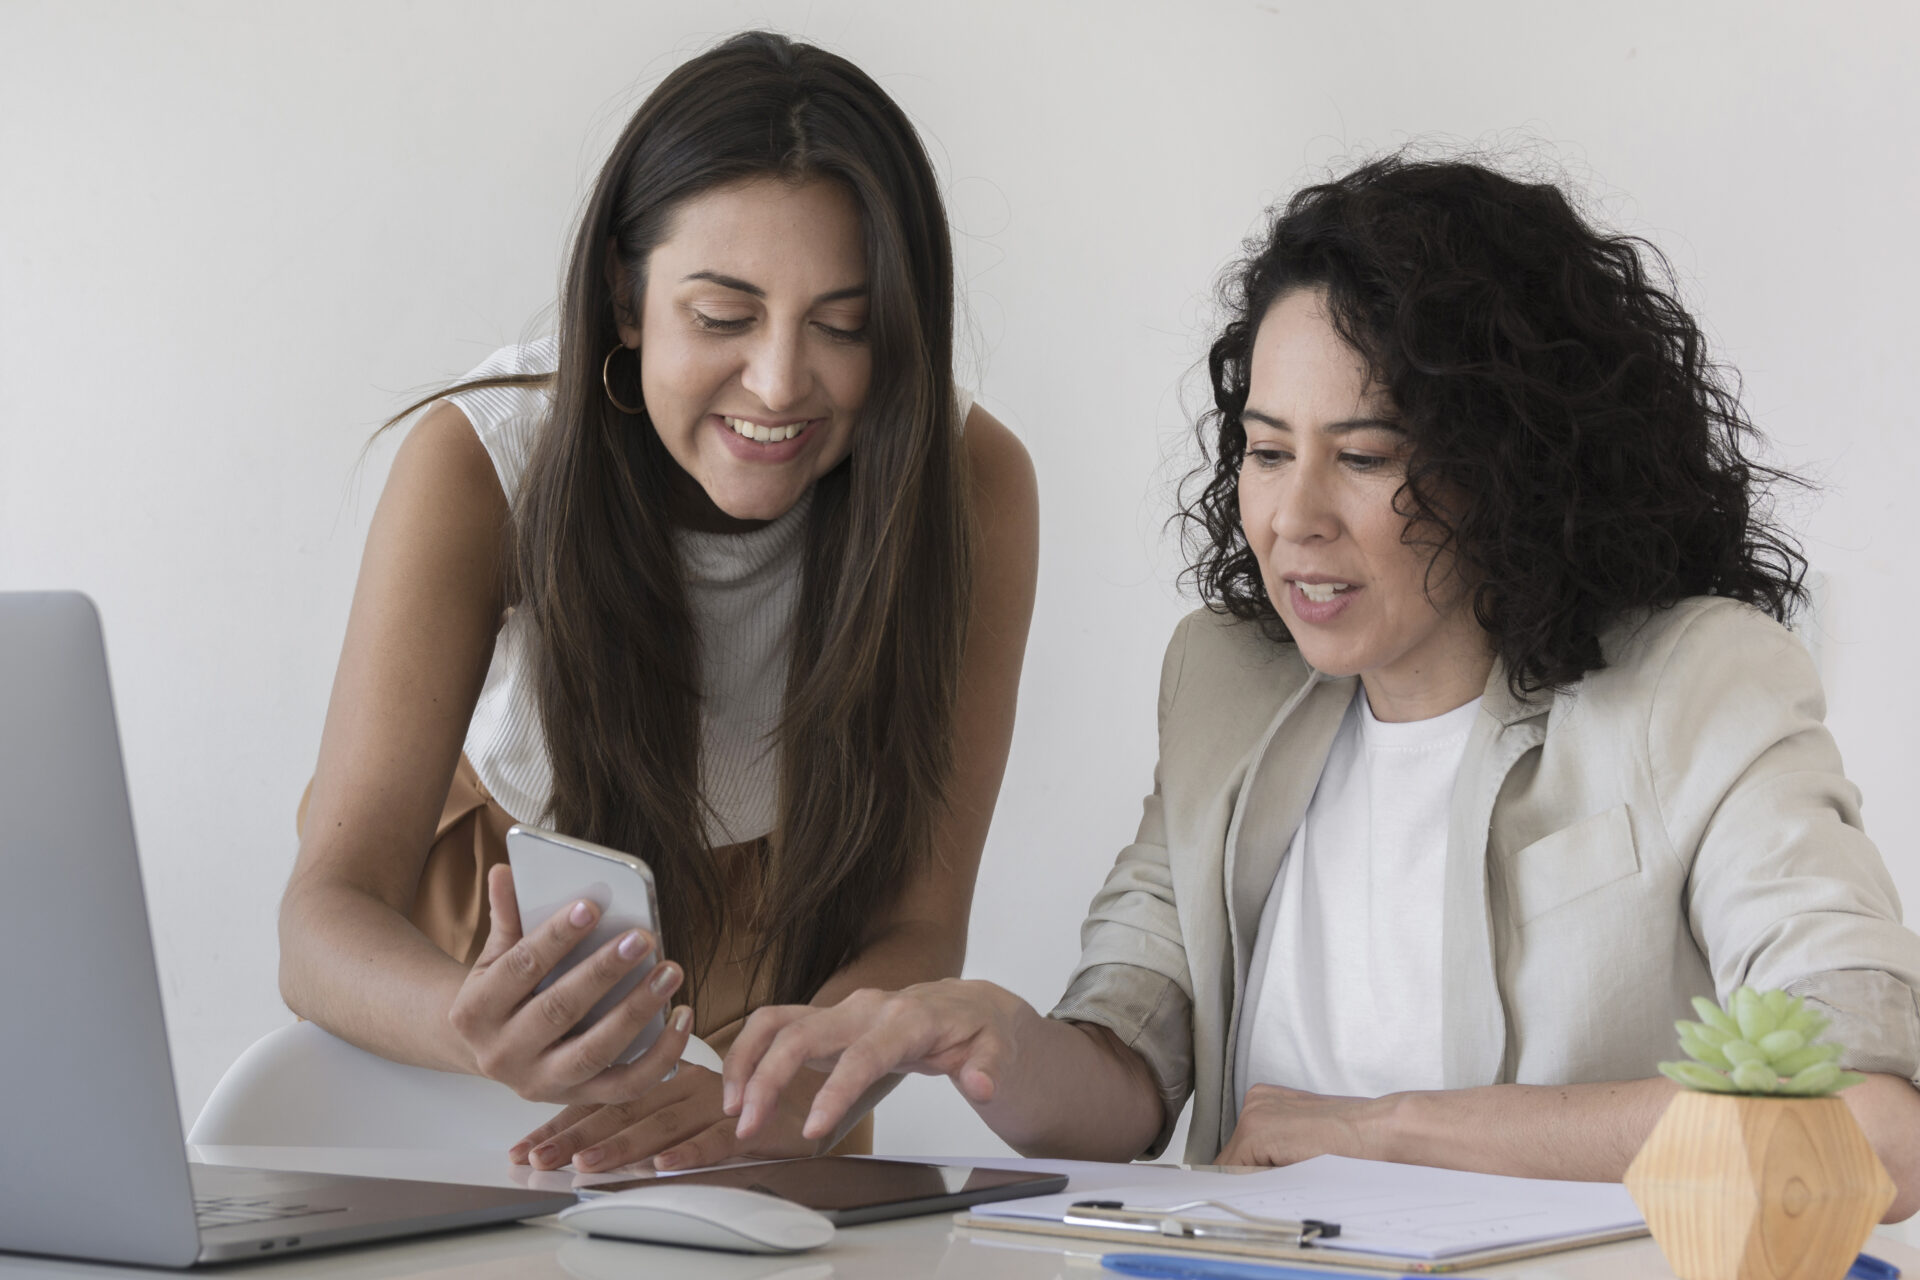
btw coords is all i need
(761, 433)
(1319, 601)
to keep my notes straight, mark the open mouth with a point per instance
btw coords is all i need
(1322, 592)
(764, 435)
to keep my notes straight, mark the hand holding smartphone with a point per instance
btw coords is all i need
(551, 872)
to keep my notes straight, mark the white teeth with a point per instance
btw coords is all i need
(1321, 592)
(753, 431)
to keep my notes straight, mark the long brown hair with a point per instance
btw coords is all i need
(865, 740)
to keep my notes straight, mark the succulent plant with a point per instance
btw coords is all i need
(1763, 1042)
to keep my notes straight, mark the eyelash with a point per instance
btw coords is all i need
(1267, 457)
(713, 325)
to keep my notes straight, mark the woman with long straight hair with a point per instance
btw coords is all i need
(727, 575)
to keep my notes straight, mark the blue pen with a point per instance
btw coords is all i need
(1868, 1267)
(1160, 1266)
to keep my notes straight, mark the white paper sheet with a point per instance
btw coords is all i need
(1403, 1210)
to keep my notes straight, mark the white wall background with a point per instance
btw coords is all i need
(233, 236)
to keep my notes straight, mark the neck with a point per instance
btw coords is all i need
(1400, 696)
(689, 507)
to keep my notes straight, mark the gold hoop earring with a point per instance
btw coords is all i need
(606, 382)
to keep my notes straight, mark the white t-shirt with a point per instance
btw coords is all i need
(1343, 995)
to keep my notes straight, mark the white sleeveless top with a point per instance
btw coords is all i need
(742, 589)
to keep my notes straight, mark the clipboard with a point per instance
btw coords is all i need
(1308, 1254)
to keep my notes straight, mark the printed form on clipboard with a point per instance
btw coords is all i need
(1385, 1211)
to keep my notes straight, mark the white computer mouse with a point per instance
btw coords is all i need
(704, 1217)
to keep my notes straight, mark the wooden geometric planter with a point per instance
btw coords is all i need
(1746, 1188)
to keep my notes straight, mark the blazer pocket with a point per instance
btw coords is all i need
(1572, 862)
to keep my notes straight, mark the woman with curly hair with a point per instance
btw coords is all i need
(1487, 754)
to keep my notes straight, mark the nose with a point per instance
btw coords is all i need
(777, 370)
(1302, 508)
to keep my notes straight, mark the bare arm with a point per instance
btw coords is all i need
(418, 640)
(1587, 1132)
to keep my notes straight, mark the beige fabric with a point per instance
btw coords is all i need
(450, 907)
(1676, 825)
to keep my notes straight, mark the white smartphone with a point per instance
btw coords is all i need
(551, 872)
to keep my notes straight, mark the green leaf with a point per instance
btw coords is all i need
(1755, 1077)
(1714, 1016)
(1847, 1080)
(1751, 1012)
(1740, 1051)
(1700, 1050)
(1814, 1054)
(1814, 1081)
(1695, 1076)
(1780, 1043)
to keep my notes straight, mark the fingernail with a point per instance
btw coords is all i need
(588, 1158)
(815, 1125)
(749, 1115)
(729, 1096)
(582, 914)
(666, 1162)
(664, 979)
(682, 1018)
(546, 1151)
(634, 945)
(517, 1153)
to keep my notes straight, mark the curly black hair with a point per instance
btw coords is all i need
(1552, 386)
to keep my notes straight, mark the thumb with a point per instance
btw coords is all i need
(978, 1077)
(504, 930)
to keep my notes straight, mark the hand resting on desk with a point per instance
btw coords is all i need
(681, 1124)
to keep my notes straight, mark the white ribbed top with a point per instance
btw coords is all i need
(741, 588)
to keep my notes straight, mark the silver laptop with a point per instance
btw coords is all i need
(92, 1160)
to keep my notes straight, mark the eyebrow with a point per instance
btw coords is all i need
(748, 287)
(1346, 426)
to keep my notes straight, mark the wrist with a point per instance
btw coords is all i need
(1400, 1126)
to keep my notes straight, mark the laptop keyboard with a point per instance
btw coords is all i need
(236, 1211)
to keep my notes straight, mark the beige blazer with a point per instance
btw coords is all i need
(1677, 824)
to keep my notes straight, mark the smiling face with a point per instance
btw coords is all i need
(752, 338)
(1325, 458)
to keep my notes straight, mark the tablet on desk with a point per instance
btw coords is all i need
(851, 1190)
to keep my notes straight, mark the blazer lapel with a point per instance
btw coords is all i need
(1473, 1018)
(1280, 780)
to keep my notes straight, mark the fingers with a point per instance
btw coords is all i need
(870, 1034)
(621, 1083)
(748, 1047)
(559, 1124)
(589, 1125)
(815, 1035)
(554, 1013)
(711, 1145)
(671, 1114)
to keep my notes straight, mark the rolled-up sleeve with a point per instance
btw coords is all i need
(1132, 977)
(1785, 888)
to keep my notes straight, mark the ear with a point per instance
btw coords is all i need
(626, 301)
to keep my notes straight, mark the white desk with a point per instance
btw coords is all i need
(902, 1250)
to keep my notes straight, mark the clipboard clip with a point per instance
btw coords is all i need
(1172, 1221)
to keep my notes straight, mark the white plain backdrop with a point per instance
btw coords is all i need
(235, 236)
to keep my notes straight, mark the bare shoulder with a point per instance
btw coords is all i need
(442, 452)
(1004, 488)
